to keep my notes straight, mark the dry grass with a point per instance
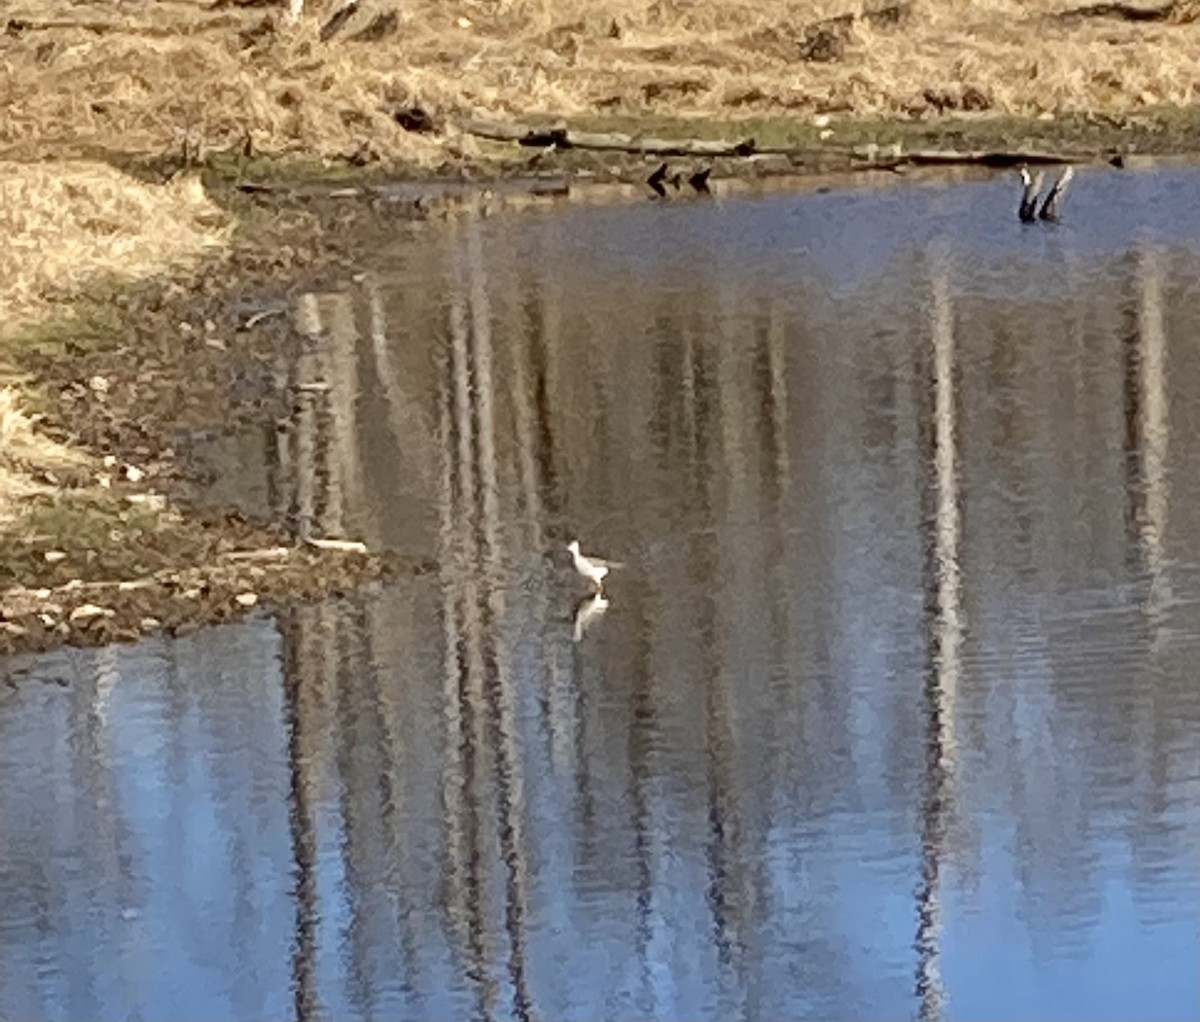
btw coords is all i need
(16, 431)
(61, 225)
(146, 72)
(23, 452)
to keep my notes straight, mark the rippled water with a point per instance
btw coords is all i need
(893, 712)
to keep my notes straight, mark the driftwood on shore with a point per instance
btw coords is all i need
(16, 27)
(1179, 11)
(985, 157)
(602, 141)
(867, 156)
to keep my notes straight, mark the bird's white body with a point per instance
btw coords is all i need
(592, 568)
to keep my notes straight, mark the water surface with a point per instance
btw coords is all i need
(893, 712)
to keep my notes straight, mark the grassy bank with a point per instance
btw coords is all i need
(149, 76)
(124, 329)
(62, 228)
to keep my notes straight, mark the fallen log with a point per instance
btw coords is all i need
(498, 131)
(1180, 11)
(16, 26)
(346, 546)
(271, 553)
(558, 137)
(565, 138)
(985, 158)
(615, 142)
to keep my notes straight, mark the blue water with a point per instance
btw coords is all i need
(891, 713)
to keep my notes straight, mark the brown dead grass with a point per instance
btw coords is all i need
(140, 74)
(63, 226)
(24, 454)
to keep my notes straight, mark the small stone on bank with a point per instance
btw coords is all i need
(348, 546)
(54, 556)
(247, 599)
(151, 501)
(87, 612)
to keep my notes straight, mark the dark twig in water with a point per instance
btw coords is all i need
(655, 181)
(699, 180)
(1054, 197)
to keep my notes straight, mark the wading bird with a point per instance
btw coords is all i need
(592, 568)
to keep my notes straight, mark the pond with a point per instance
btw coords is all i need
(891, 712)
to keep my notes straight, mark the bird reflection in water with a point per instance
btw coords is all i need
(587, 611)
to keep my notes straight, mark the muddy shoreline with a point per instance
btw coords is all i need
(126, 543)
(784, 148)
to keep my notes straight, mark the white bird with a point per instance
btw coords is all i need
(592, 568)
(588, 609)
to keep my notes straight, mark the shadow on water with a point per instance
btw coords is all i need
(890, 714)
